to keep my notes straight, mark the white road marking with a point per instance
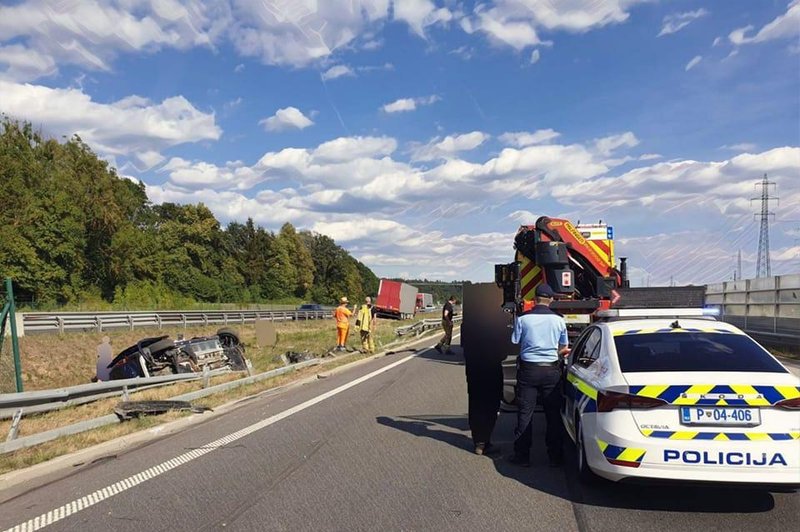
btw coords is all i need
(100, 495)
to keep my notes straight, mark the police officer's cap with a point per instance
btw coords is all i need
(544, 290)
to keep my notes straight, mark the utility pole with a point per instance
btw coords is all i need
(763, 267)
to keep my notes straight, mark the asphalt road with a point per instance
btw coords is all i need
(389, 453)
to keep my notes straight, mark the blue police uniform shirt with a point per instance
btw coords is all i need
(539, 333)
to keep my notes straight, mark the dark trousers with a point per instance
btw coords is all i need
(447, 326)
(484, 388)
(535, 382)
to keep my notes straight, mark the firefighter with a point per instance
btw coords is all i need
(542, 337)
(365, 322)
(342, 316)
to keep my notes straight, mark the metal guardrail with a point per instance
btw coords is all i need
(423, 325)
(61, 322)
(89, 424)
(767, 308)
(30, 402)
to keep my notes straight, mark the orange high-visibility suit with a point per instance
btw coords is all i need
(342, 315)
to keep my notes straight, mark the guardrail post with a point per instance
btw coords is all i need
(241, 315)
(183, 317)
(60, 323)
(225, 318)
(130, 322)
(13, 431)
(125, 396)
(158, 320)
(98, 323)
(776, 308)
(205, 320)
(12, 318)
(206, 377)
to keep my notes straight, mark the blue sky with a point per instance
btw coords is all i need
(420, 134)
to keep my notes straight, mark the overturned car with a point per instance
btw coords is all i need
(162, 355)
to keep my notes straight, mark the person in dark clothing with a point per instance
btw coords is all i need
(542, 337)
(483, 359)
(447, 325)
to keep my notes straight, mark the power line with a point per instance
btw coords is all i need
(762, 263)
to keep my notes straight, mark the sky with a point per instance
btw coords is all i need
(421, 134)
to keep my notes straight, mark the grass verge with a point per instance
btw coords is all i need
(300, 336)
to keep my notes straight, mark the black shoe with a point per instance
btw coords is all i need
(556, 461)
(438, 348)
(516, 459)
(490, 450)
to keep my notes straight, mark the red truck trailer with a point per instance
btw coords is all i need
(396, 299)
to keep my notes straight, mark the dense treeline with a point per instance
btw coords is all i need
(441, 291)
(72, 230)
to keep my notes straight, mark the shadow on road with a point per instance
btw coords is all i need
(456, 358)
(563, 482)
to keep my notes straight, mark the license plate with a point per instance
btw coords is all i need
(720, 415)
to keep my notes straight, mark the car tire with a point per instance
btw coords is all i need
(585, 473)
(229, 333)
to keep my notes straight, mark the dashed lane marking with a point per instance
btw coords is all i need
(100, 495)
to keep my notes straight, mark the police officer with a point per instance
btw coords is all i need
(542, 337)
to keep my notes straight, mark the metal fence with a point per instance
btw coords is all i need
(768, 308)
(61, 322)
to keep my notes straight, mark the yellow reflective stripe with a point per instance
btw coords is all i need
(582, 386)
(653, 390)
(683, 436)
(696, 390)
(758, 436)
(647, 432)
(795, 435)
(630, 455)
(722, 402)
(603, 445)
(721, 437)
(788, 392)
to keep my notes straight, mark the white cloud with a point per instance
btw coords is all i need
(649, 156)
(516, 23)
(337, 71)
(286, 118)
(693, 63)
(23, 64)
(448, 146)
(608, 145)
(716, 42)
(521, 139)
(130, 125)
(785, 26)
(199, 174)
(675, 22)
(409, 104)
(91, 33)
(742, 146)
(239, 68)
(535, 56)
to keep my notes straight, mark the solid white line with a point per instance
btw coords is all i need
(100, 495)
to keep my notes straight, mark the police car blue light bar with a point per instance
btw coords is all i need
(644, 313)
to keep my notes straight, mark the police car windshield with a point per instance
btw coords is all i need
(692, 351)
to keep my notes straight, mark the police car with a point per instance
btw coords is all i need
(670, 395)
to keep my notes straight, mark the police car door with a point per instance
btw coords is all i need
(580, 374)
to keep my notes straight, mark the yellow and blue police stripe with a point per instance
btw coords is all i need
(583, 394)
(717, 394)
(721, 436)
(614, 453)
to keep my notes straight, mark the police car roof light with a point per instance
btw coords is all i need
(643, 313)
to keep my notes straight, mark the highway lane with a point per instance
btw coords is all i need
(392, 452)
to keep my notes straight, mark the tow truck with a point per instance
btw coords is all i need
(578, 262)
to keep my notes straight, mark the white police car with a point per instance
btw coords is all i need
(680, 398)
